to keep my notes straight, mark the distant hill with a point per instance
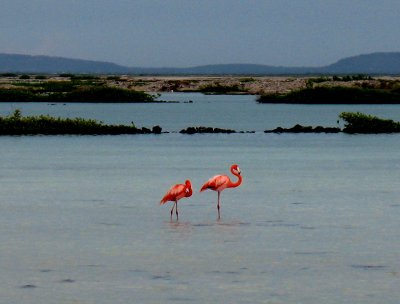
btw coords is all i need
(372, 64)
(12, 63)
(376, 63)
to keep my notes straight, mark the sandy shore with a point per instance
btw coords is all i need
(249, 84)
(252, 85)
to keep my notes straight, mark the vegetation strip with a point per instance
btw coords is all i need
(73, 90)
(368, 124)
(304, 129)
(16, 124)
(335, 95)
(194, 130)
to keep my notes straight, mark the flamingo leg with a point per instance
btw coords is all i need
(172, 210)
(176, 209)
(219, 216)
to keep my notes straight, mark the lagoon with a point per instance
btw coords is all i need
(238, 112)
(315, 220)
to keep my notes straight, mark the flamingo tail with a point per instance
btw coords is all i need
(205, 187)
(164, 200)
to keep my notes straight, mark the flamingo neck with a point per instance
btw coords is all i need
(238, 182)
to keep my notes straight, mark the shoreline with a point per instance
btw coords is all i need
(16, 124)
(252, 85)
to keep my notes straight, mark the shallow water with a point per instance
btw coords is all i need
(238, 112)
(315, 220)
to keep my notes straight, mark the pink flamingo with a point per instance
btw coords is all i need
(221, 182)
(175, 193)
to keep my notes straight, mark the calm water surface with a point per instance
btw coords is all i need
(316, 219)
(241, 113)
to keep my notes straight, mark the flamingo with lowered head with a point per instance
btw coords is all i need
(220, 182)
(175, 193)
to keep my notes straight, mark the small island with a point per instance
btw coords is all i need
(335, 95)
(208, 130)
(354, 123)
(305, 129)
(368, 124)
(16, 124)
(69, 88)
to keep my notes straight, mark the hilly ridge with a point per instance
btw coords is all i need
(372, 64)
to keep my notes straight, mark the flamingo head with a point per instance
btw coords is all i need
(235, 169)
(188, 188)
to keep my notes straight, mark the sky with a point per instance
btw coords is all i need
(186, 33)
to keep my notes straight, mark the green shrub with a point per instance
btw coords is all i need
(17, 95)
(362, 123)
(334, 95)
(106, 94)
(67, 75)
(310, 81)
(346, 78)
(247, 79)
(70, 91)
(116, 78)
(8, 75)
(16, 124)
(84, 77)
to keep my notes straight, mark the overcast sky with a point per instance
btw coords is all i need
(184, 33)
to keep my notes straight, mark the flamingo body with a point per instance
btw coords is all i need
(175, 193)
(216, 183)
(220, 182)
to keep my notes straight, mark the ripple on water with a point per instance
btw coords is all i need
(28, 286)
(137, 271)
(269, 223)
(45, 270)
(67, 281)
(203, 225)
(181, 299)
(233, 224)
(308, 227)
(109, 224)
(276, 223)
(166, 277)
(368, 267)
(288, 225)
(311, 252)
(228, 272)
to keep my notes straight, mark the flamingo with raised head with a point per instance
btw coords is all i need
(175, 193)
(220, 182)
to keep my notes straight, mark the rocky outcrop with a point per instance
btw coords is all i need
(195, 130)
(304, 129)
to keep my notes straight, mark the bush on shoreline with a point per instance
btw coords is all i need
(368, 124)
(71, 91)
(16, 124)
(334, 95)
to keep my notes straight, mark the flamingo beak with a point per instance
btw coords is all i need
(238, 170)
